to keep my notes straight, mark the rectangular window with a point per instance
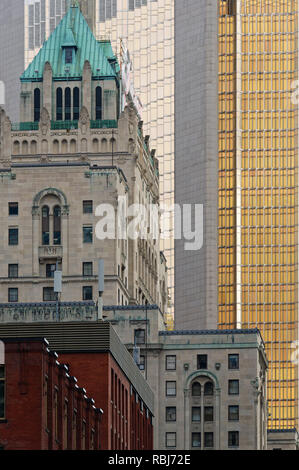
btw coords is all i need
(202, 361)
(233, 387)
(87, 269)
(13, 236)
(170, 388)
(87, 234)
(233, 361)
(13, 294)
(50, 269)
(13, 270)
(171, 439)
(13, 208)
(69, 55)
(48, 294)
(2, 391)
(171, 413)
(170, 363)
(233, 413)
(196, 414)
(142, 363)
(87, 207)
(209, 413)
(233, 439)
(139, 336)
(196, 439)
(209, 439)
(87, 293)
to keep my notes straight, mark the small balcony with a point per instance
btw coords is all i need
(50, 252)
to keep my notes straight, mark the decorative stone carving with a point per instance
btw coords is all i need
(44, 121)
(84, 120)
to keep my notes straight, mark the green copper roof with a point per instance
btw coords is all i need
(72, 31)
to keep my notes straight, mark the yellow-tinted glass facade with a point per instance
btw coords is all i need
(258, 185)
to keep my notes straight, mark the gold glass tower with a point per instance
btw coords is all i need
(258, 185)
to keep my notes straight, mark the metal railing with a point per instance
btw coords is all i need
(102, 124)
(64, 125)
(24, 126)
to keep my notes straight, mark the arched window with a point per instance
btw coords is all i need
(59, 104)
(209, 388)
(196, 389)
(67, 104)
(98, 103)
(45, 226)
(57, 226)
(76, 104)
(36, 104)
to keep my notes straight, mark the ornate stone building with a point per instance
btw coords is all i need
(72, 152)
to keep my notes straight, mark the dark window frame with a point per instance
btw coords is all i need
(89, 296)
(89, 233)
(13, 240)
(207, 417)
(166, 440)
(11, 267)
(166, 388)
(85, 265)
(86, 205)
(230, 414)
(198, 440)
(10, 296)
(167, 410)
(230, 382)
(166, 362)
(192, 414)
(11, 207)
(229, 442)
(49, 298)
(206, 435)
(230, 361)
(139, 339)
(202, 361)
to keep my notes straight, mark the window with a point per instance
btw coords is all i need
(87, 269)
(57, 226)
(76, 104)
(208, 388)
(233, 413)
(13, 208)
(202, 361)
(87, 207)
(196, 439)
(2, 391)
(13, 236)
(233, 387)
(45, 225)
(142, 363)
(59, 104)
(233, 361)
(196, 414)
(36, 104)
(171, 439)
(13, 294)
(171, 413)
(13, 270)
(209, 439)
(68, 55)
(50, 269)
(67, 104)
(87, 234)
(170, 388)
(196, 389)
(170, 363)
(233, 439)
(98, 103)
(208, 413)
(48, 294)
(87, 293)
(139, 336)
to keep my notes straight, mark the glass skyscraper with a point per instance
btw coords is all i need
(258, 185)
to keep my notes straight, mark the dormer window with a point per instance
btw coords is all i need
(69, 55)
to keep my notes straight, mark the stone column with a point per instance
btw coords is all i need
(35, 241)
(86, 87)
(47, 88)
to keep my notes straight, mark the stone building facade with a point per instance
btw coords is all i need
(72, 152)
(209, 385)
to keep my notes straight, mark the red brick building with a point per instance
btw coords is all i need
(96, 356)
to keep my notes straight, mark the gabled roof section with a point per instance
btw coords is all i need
(72, 31)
